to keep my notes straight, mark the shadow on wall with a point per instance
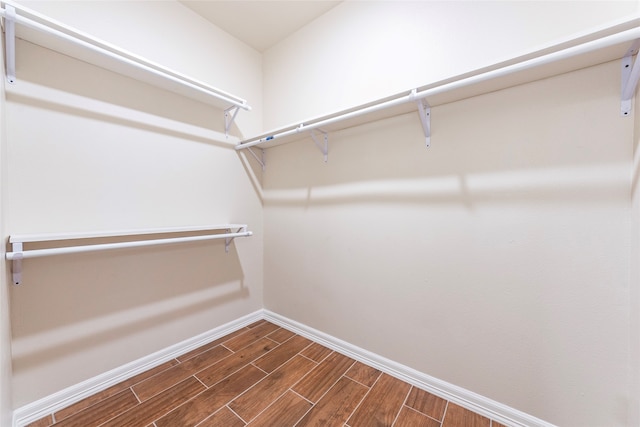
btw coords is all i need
(555, 146)
(107, 96)
(65, 307)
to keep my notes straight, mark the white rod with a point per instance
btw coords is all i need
(138, 62)
(587, 47)
(107, 246)
(25, 238)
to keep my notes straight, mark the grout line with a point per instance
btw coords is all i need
(237, 415)
(444, 414)
(200, 381)
(404, 403)
(363, 399)
(258, 367)
(422, 413)
(134, 393)
(295, 392)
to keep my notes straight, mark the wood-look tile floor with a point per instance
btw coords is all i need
(264, 375)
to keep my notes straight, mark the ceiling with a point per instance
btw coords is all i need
(260, 23)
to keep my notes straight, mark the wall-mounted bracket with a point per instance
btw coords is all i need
(229, 117)
(629, 82)
(16, 267)
(10, 42)
(228, 240)
(424, 111)
(260, 159)
(322, 146)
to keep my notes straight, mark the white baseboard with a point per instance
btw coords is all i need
(54, 402)
(465, 398)
(468, 399)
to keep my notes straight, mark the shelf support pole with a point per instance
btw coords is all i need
(229, 117)
(630, 77)
(260, 159)
(16, 263)
(424, 111)
(322, 146)
(10, 42)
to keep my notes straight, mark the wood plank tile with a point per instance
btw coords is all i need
(281, 335)
(146, 412)
(382, 404)
(316, 352)
(223, 418)
(237, 360)
(101, 411)
(174, 375)
(426, 403)
(257, 323)
(113, 390)
(496, 424)
(42, 422)
(281, 354)
(334, 408)
(457, 416)
(210, 401)
(325, 375)
(211, 345)
(363, 374)
(411, 418)
(271, 387)
(284, 412)
(252, 335)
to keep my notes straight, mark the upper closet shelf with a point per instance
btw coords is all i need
(617, 42)
(47, 32)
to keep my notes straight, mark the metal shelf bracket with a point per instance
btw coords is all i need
(229, 117)
(629, 82)
(260, 159)
(322, 146)
(424, 111)
(16, 268)
(228, 240)
(10, 42)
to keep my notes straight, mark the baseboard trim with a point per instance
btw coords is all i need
(465, 398)
(54, 402)
(468, 399)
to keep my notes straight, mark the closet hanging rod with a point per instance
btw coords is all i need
(416, 95)
(35, 253)
(18, 254)
(44, 24)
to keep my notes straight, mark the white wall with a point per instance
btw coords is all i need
(496, 260)
(6, 406)
(92, 150)
(360, 51)
(634, 300)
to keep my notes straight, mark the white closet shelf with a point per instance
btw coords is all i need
(39, 29)
(206, 232)
(616, 42)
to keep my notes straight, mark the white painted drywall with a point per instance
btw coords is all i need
(634, 300)
(6, 407)
(360, 51)
(497, 260)
(88, 149)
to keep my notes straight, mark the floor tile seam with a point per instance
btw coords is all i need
(358, 382)
(363, 399)
(235, 413)
(444, 414)
(422, 413)
(284, 362)
(265, 409)
(262, 379)
(90, 407)
(404, 403)
(277, 330)
(210, 342)
(333, 384)
(313, 405)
